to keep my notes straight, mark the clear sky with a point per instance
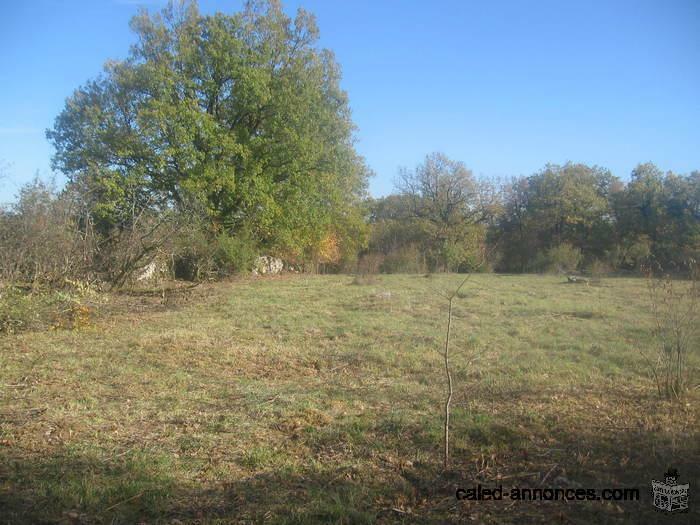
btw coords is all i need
(505, 86)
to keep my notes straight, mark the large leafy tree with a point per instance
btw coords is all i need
(659, 215)
(242, 114)
(513, 229)
(449, 210)
(561, 205)
(570, 204)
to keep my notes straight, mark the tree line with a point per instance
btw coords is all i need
(222, 137)
(562, 218)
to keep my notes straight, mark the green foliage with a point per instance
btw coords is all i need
(658, 216)
(464, 249)
(241, 116)
(22, 310)
(404, 259)
(634, 251)
(241, 112)
(199, 253)
(560, 205)
(234, 254)
(587, 208)
(17, 312)
(562, 258)
(437, 221)
(598, 268)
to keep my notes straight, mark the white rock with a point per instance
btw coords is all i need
(148, 272)
(266, 264)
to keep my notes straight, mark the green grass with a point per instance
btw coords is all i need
(313, 399)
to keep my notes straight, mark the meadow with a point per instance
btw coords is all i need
(318, 399)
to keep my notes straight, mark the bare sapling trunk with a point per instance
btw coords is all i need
(448, 373)
(446, 457)
(446, 357)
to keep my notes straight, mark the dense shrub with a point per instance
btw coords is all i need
(632, 254)
(404, 259)
(199, 254)
(192, 252)
(561, 258)
(22, 310)
(234, 254)
(41, 241)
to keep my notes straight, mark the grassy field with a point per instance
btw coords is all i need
(313, 399)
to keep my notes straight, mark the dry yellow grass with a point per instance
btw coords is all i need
(312, 399)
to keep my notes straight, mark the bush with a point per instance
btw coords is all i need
(465, 251)
(192, 254)
(637, 253)
(41, 241)
(234, 254)
(674, 309)
(16, 310)
(199, 255)
(561, 258)
(21, 310)
(406, 259)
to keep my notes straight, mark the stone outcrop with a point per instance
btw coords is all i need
(267, 265)
(154, 271)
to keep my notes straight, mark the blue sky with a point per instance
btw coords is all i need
(505, 86)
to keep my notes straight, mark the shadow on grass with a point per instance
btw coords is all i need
(87, 489)
(72, 487)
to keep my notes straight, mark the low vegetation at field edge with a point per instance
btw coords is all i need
(313, 399)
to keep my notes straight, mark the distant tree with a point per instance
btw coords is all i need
(514, 227)
(442, 191)
(242, 113)
(639, 208)
(658, 215)
(393, 224)
(567, 204)
(681, 230)
(570, 204)
(450, 209)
